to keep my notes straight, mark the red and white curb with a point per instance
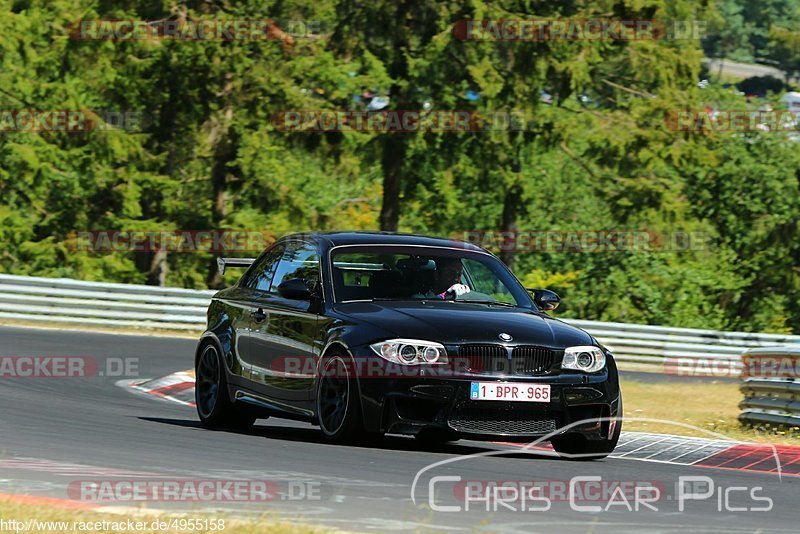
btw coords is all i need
(177, 387)
(642, 446)
(703, 452)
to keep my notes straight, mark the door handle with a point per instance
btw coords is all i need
(259, 316)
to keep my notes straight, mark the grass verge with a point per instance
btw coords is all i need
(709, 405)
(51, 515)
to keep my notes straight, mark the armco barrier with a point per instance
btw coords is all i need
(771, 386)
(61, 300)
(660, 345)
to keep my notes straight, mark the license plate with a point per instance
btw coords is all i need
(506, 391)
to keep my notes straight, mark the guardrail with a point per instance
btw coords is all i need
(62, 300)
(771, 386)
(681, 350)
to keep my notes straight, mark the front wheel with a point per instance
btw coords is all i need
(338, 401)
(214, 405)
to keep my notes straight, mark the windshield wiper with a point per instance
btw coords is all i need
(435, 299)
(489, 302)
(398, 299)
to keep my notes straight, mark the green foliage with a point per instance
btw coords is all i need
(748, 31)
(784, 49)
(598, 156)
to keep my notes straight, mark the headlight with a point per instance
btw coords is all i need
(587, 358)
(410, 351)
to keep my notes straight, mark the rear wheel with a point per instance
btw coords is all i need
(339, 402)
(577, 447)
(214, 405)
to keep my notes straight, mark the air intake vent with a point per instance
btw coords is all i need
(533, 360)
(485, 358)
(486, 420)
(494, 359)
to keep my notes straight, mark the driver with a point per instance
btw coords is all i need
(447, 279)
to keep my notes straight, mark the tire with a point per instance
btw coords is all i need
(577, 447)
(339, 402)
(214, 406)
(435, 437)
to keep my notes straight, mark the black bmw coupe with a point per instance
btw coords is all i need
(371, 333)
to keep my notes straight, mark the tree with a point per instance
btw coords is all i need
(728, 33)
(784, 49)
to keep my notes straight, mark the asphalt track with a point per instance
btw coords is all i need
(56, 431)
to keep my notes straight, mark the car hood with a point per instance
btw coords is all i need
(456, 322)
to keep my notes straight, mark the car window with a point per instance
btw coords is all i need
(260, 276)
(481, 279)
(402, 273)
(300, 260)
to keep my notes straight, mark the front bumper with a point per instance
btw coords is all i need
(408, 405)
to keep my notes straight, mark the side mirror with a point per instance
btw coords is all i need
(545, 299)
(294, 289)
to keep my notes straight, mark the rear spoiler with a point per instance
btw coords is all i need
(222, 263)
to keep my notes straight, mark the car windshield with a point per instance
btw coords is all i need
(422, 273)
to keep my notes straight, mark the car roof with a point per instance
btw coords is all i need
(335, 239)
